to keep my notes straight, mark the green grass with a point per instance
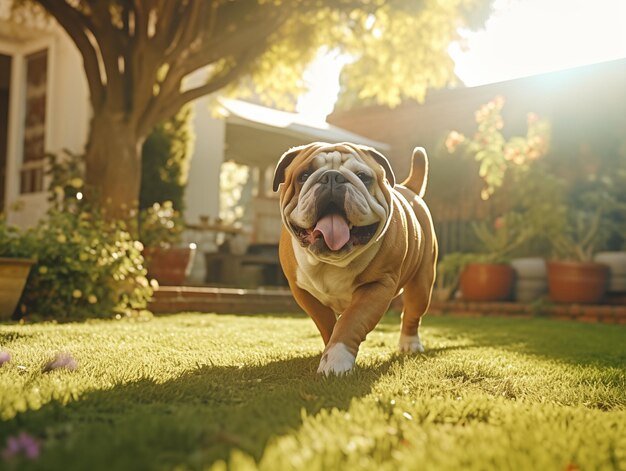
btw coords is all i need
(206, 392)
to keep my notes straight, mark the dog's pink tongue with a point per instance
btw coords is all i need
(335, 230)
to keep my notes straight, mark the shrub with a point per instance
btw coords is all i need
(12, 243)
(166, 154)
(86, 267)
(589, 221)
(497, 154)
(160, 225)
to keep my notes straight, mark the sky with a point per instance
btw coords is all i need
(521, 38)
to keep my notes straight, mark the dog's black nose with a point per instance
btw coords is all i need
(332, 176)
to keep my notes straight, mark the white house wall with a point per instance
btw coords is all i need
(67, 113)
(202, 193)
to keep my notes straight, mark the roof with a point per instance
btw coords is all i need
(258, 135)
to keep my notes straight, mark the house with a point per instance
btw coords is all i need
(44, 108)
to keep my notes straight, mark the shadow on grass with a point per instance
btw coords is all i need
(7, 337)
(195, 419)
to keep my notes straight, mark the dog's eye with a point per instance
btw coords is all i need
(364, 177)
(303, 177)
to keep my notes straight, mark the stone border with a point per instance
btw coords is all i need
(171, 299)
(607, 314)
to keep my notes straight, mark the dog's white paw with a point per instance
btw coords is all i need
(336, 360)
(410, 344)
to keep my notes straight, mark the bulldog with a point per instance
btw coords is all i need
(351, 241)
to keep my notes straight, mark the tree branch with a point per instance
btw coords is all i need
(190, 29)
(170, 107)
(113, 43)
(74, 23)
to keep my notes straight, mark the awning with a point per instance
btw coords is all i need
(258, 136)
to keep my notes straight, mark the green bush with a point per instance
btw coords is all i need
(165, 161)
(86, 267)
(160, 225)
(12, 243)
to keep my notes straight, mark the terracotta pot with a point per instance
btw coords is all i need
(487, 282)
(577, 282)
(13, 275)
(169, 266)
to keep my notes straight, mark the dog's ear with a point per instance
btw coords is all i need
(384, 163)
(284, 162)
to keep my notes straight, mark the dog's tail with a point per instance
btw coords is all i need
(418, 176)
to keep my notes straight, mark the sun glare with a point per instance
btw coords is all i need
(522, 37)
(527, 37)
(322, 78)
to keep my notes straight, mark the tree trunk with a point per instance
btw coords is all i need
(113, 166)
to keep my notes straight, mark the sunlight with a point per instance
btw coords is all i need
(527, 37)
(522, 38)
(322, 78)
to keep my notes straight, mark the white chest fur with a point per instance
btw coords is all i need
(332, 285)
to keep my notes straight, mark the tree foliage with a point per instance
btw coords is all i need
(137, 53)
(138, 57)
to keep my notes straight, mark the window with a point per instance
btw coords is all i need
(31, 178)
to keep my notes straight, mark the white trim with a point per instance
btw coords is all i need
(17, 89)
(289, 124)
(14, 143)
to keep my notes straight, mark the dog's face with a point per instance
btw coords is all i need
(336, 198)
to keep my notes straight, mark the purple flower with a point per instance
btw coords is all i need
(61, 360)
(23, 444)
(5, 357)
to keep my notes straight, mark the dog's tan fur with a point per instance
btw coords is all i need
(347, 297)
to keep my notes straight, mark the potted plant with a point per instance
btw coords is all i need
(573, 275)
(160, 231)
(488, 276)
(15, 264)
(534, 193)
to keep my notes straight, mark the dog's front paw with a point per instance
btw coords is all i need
(336, 360)
(410, 344)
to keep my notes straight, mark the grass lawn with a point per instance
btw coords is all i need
(197, 391)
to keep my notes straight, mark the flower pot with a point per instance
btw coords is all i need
(13, 275)
(531, 279)
(487, 282)
(577, 282)
(617, 270)
(170, 266)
